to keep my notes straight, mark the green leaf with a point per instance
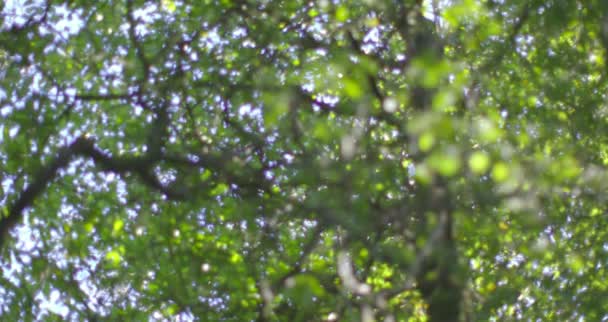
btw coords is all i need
(500, 172)
(479, 162)
(113, 257)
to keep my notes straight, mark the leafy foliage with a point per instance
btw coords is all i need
(303, 160)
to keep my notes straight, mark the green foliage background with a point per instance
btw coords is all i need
(292, 160)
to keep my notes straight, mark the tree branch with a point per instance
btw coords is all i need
(82, 147)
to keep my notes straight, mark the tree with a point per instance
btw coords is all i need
(303, 160)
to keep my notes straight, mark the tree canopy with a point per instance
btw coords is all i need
(241, 160)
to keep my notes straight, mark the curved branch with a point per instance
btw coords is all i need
(82, 147)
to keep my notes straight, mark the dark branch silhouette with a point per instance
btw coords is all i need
(83, 147)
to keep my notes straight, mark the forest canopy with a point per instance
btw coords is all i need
(241, 160)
